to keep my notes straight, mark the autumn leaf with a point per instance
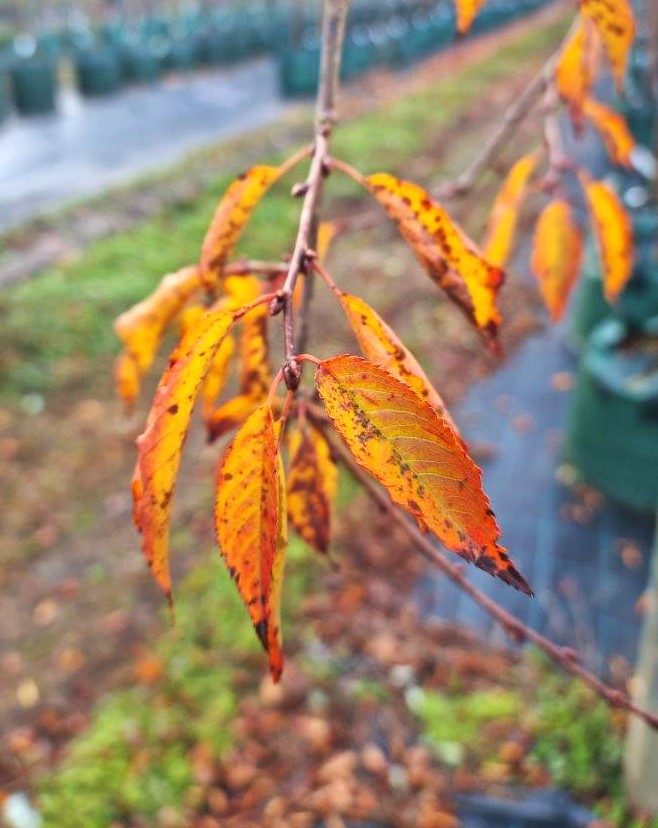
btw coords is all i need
(450, 257)
(380, 344)
(255, 372)
(501, 229)
(577, 67)
(401, 440)
(466, 12)
(557, 250)
(217, 375)
(615, 24)
(161, 444)
(613, 233)
(249, 505)
(142, 327)
(312, 481)
(613, 129)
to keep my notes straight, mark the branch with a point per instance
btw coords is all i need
(333, 32)
(564, 657)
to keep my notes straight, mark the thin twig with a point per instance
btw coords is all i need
(333, 32)
(566, 658)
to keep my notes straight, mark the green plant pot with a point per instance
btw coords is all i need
(588, 306)
(98, 73)
(138, 64)
(34, 85)
(5, 105)
(612, 429)
(299, 72)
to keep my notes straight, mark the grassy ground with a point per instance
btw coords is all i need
(70, 520)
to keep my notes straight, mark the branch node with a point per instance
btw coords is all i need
(292, 374)
(278, 303)
(299, 189)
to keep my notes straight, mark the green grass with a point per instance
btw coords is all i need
(67, 312)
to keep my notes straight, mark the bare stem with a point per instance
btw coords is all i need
(333, 32)
(566, 658)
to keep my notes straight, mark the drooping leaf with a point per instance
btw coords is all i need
(401, 440)
(142, 327)
(161, 444)
(312, 481)
(450, 257)
(615, 23)
(466, 12)
(231, 216)
(613, 233)
(217, 375)
(557, 250)
(250, 533)
(255, 370)
(501, 229)
(380, 344)
(613, 129)
(577, 68)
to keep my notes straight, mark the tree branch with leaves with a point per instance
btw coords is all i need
(380, 415)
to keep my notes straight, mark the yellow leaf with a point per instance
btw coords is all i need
(556, 255)
(450, 257)
(160, 446)
(501, 229)
(217, 375)
(380, 344)
(615, 24)
(577, 68)
(312, 482)
(613, 233)
(229, 415)
(232, 214)
(250, 533)
(466, 13)
(142, 327)
(399, 439)
(127, 378)
(613, 129)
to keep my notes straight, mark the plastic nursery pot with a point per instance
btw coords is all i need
(612, 428)
(588, 306)
(299, 72)
(181, 55)
(34, 85)
(98, 73)
(5, 105)
(357, 54)
(138, 63)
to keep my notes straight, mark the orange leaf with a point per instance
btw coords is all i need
(613, 233)
(613, 129)
(229, 415)
(312, 481)
(557, 251)
(160, 446)
(577, 67)
(250, 533)
(232, 214)
(409, 449)
(142, 327)
(217, 375)
(499, 239)
(380, 344)
(450, 257)
(466, 13)
(615, 24)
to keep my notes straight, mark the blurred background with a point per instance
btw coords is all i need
(121, 125)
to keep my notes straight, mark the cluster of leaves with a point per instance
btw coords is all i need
(281, 464)
(602, 28)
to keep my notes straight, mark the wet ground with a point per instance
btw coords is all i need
(88, 146)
